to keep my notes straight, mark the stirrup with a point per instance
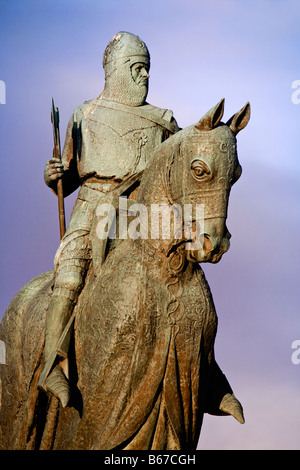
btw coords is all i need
(58, 384)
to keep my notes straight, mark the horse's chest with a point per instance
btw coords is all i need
(192, 309)
(181, 304)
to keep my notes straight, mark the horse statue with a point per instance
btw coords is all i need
(142, 369)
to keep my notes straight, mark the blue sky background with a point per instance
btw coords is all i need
(201, 51)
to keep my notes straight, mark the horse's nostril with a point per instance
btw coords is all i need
(206, 243)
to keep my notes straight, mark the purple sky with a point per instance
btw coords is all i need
(201, 51)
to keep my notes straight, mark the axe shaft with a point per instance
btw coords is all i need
(57, 154)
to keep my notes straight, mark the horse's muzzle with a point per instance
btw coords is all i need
(208, 249)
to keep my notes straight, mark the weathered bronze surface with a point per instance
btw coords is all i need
(114, 349)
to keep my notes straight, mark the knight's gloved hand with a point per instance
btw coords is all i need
(53, 170)
(232, 406)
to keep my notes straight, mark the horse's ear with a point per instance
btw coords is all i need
(212, 118)
(239, 120)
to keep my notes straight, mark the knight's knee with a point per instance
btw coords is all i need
(69, 280)
(68, 284)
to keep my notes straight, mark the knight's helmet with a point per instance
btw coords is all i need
(123, 51)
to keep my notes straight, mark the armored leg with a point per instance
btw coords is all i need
(70, 275)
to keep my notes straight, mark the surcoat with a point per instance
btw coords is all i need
(110, 140)
(105, 143)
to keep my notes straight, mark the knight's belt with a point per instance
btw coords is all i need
(100, 184)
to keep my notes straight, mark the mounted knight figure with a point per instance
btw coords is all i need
(108, 139)
(121, 334)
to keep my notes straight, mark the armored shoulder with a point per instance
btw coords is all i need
(84, 109)
(165, 114)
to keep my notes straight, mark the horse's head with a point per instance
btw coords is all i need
(196, 167)
(202, 171)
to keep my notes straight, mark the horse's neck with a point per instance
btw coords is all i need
(171, 259)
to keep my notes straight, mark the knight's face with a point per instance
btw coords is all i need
(126, 83)
(140, 73)
(126, 62)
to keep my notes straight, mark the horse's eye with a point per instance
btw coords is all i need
(200, 170)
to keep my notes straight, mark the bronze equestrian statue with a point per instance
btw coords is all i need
(114, 349)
